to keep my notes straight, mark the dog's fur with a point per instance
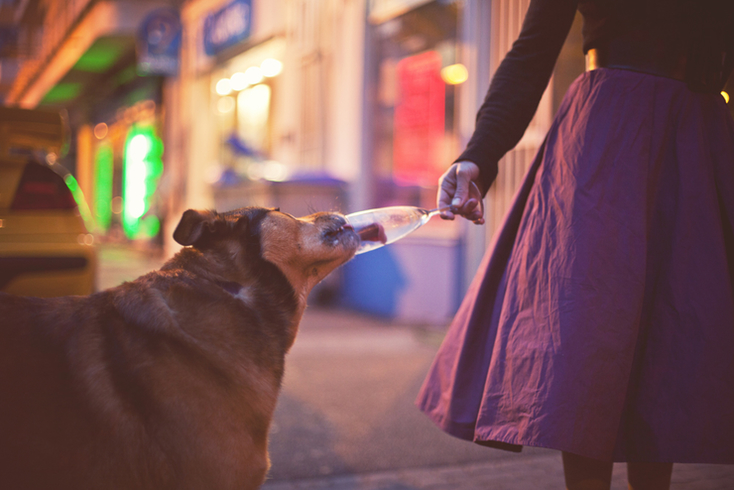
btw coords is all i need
(169, 381)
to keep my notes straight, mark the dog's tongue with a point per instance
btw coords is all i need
(373, 233)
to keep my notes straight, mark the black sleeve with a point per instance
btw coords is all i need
(518, 85)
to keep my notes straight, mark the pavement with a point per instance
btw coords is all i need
(537, 472)
(345, 419)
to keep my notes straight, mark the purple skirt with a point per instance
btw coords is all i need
(601, 321)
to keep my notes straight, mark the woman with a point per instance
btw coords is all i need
(601, 322)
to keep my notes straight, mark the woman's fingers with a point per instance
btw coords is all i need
(472, 210)
(458, 191)
(464, 176)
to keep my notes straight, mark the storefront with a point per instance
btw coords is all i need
(268, 104)
(414, 77)
(108, 74)
(245, 94)
(414, 80)
(125, 159)
(367, 103)
(121, 139)
(267, 108)
(428, 68)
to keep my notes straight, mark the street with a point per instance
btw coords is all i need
(346, 421)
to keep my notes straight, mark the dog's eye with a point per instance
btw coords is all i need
(276, 209)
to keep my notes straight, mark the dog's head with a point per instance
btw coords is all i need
(304, 249)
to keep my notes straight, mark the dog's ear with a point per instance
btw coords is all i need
(193, 225)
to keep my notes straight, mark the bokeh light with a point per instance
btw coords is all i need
(225, 104)
(100, 130)
(271, 67)
(224, 86)
(253, 75)
(238, 81)
(454, 74)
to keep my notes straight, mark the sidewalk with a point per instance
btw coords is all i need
(118, 263)
(532, 473)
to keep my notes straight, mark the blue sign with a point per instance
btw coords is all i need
(228, 26)
(159, 43)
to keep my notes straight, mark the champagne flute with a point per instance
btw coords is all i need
(381, 226)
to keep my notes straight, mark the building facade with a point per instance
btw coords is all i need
(306, 105)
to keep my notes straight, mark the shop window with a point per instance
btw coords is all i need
(253, 114)
(127, 167)
(413, 130)
(243, 99)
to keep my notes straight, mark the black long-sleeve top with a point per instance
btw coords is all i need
(520, 80)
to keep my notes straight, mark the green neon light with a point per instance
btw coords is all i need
(102, 55)
(103, 172)
(126, 75)
(62, 92)
(81, 203)
(142, 167)
(150, 226)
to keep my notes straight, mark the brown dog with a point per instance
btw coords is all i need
(169, 381)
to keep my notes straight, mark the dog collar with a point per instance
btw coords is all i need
(231, 287)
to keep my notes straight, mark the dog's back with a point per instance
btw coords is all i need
(37, 387)
(171, 380)
(132, 381)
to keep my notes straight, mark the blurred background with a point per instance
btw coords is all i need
(307, 105)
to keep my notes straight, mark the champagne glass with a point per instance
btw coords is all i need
(380, 226)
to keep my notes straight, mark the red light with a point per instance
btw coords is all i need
(419, 120)
(40, 188)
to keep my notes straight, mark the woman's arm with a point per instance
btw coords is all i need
(518, 85)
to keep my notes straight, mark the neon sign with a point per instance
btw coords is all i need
(142, 168)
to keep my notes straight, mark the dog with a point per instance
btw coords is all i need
(169, 381)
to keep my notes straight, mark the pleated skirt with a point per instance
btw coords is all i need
(601, 320)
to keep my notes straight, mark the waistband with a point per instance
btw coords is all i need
(651, 58)
(704, 67)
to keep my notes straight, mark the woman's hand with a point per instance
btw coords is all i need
(456, 188)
